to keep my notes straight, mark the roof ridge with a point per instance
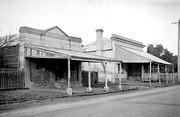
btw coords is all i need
(127, 39)
(46, 30)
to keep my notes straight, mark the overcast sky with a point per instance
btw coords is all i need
(148, 21)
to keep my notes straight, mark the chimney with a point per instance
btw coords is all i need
(99, 42)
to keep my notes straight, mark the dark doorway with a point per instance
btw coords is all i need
(134, 71)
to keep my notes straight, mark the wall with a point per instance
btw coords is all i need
(124, 55)
(9, 57)
(120, 43)
(61, 42)
(97, 67)
(11, 76)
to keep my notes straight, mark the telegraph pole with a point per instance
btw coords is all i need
(178, 47)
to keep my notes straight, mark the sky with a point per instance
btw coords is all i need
(147, 21)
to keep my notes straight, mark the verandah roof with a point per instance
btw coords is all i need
(144, 57)
(74, 55)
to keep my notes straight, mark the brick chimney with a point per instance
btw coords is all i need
(99, 42)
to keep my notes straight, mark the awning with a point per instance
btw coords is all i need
(137, 56)
(74, 55)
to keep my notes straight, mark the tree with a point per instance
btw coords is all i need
(156, 51)
(7, 40)
(162, 53)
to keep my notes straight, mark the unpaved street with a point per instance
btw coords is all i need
(163, 102)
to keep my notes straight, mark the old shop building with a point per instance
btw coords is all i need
(48, 58)
(137, 64)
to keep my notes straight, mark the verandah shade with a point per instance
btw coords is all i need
(74, 55)
(144, 57)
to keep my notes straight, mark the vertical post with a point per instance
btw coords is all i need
(27, 74)
(69, 89)
(142, 72)
(178, 61)
(105, 72)
(22, 66)
(79, 74)
(119, 75)
(150, 75)
(178, 49)
(166, 74)
(159, 77)
(69, 72)
(173, 75)
(89, 89)
(52, 78)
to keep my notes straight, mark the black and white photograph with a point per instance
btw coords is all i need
(89, 58)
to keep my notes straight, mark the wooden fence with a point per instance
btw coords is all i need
(11, 78)
(163, 77)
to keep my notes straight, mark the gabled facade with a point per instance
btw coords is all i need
(42, 65)
(135, 62)
(53, 37)
(35, 61)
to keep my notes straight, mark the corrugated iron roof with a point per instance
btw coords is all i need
(146, 57)
(74, 55)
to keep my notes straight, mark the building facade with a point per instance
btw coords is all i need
(136, 64)
(45, 58)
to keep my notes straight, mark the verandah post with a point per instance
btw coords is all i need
(106, 81)
(69, 89)
(142, 72)
(159, 77)
(150, 75)
(89, 89)
(119, 75)
(173, 75)
(166, 74)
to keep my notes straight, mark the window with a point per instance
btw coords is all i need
(119, 68)
(38, 52)
(42, 37)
